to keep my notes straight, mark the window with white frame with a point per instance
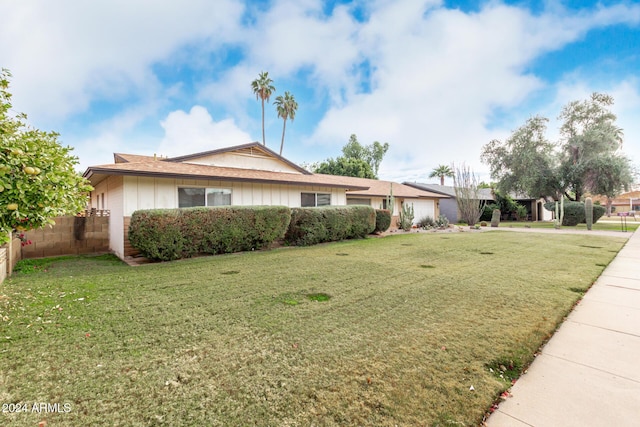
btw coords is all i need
(309, 200)
(189, 197)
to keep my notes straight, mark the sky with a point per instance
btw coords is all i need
(437, 80)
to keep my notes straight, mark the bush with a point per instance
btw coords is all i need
(442, 222)
(574, 212)
(157, 234)
(426, 222)
(487, 212)
(598, 212)
(383, 220)
(170, 234)
(310, 226)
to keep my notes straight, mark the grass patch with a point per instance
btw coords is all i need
(602, 225)
(408, 331)
(319, 297)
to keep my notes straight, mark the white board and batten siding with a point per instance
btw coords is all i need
(162, 193)
(113, 189)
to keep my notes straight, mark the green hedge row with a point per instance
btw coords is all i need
(574, 213)
(169, 234)
(383, 220)
(310, 226)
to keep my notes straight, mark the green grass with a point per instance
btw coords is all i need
(412, 323)
(604, 225)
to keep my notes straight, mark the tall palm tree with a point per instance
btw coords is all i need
(287, 107)
(263, 88)
(441, 171)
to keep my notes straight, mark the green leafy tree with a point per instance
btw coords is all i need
(371, 154)
(442, 172)
(525, 162)
(610, 176)
(589, 142)
(588, 133)
(37, 177)
(286, 107)
(263, 88)
(345, 167)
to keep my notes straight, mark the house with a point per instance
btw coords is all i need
(449, 207)
(626, 202)
(424, 203)
(244, 175)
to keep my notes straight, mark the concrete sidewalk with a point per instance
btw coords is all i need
(588, 374)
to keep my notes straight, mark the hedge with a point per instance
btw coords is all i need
(310, 226)
(169, 234)
(574, 213)
(383, 220)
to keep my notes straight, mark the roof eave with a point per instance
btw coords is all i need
(107, 171)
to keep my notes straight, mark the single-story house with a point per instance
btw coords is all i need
(425, 203)
(626, 202)
(449, 207)
(244, 175)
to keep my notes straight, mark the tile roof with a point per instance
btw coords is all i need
(381, 188)
(162, 168)
(252, 148)
(450, 191)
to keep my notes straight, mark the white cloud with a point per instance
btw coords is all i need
(196, 131)
(439, 76)
(75, 52)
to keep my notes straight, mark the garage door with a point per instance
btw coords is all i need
(422, 208)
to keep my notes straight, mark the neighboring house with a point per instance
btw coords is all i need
(425, 203)
(449, 207)
(626, 202)
(244, 175)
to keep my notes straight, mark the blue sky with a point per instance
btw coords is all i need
(435, 79)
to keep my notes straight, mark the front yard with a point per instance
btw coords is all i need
(418, 329)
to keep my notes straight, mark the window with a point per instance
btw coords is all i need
(354, 201)
(190, 197)
(314, 199)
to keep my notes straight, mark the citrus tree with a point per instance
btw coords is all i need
(37, 177)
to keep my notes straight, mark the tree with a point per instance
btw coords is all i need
(286, 107)
(525, 162)
(372, 154)
(441, 172)
(589, 141)
(344, 166)
(609, 176)
(263, 88)
(470, 205)
(37, 177)
(587, 133)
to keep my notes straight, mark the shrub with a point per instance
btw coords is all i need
(574, 212)
(521, 213)
(310, 226)
(157, 234)
(426, 222)
(442, 222)
(598, 212)
(170, 234)
(488, 211)
(383, 220)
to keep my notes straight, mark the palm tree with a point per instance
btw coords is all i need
(441, 171)
(287, 107)
(263, 88)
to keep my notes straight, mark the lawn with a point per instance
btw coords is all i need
(612, 224)
(376, 332)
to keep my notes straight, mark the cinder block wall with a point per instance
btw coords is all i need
(69, 237)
